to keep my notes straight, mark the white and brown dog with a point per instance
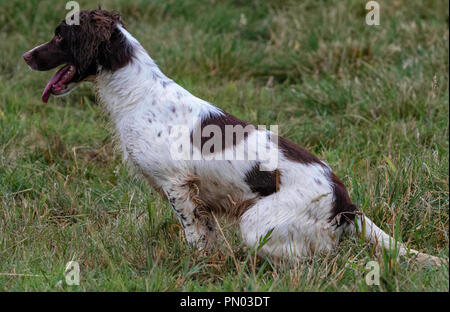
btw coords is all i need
(297, 199)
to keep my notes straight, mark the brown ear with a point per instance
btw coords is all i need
(116, 52)
(92, 35)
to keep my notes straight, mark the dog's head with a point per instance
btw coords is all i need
(94, 45)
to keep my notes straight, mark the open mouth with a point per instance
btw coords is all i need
(60, 83)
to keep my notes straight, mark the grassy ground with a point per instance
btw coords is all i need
(371, 101)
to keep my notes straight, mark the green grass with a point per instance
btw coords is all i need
(371, 101)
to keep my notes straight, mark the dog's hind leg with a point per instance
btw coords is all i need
(297, 228)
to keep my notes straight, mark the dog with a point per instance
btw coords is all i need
(291, 208)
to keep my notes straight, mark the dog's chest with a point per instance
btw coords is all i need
(147, 137)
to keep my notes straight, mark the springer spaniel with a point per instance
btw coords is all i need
(284, 198)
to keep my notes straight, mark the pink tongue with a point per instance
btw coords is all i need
(55, 79)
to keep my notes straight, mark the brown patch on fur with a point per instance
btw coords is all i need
(343, 210)
(277, 178)
(263, 183)
(297, 153)
(221, 121)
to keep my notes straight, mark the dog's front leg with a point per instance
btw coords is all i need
(194, 218)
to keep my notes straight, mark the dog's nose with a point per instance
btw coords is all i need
(27, 57)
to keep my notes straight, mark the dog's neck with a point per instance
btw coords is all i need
(122, 90)
(140, 85)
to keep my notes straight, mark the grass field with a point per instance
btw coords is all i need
(370, 100)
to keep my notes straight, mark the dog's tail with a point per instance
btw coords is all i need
(379, 238)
